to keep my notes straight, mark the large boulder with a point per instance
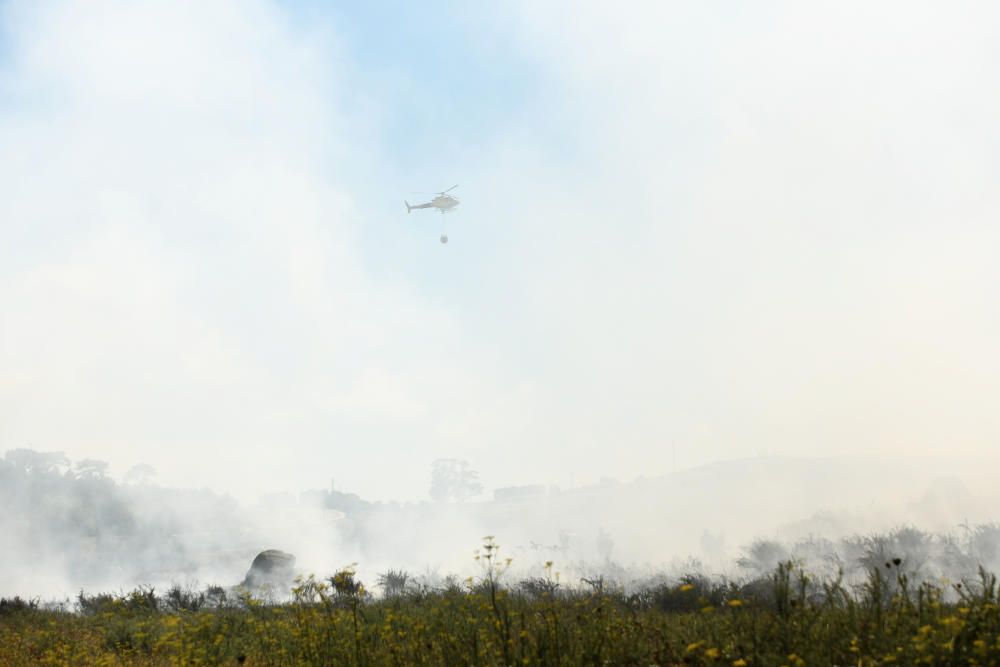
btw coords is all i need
(270, 569)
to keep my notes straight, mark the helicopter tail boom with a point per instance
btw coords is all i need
(410, 207)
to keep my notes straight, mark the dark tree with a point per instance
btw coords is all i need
(91, 469)
(452, 479)
(30, 461)
(140, 474)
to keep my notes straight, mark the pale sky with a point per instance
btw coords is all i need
(721, 228)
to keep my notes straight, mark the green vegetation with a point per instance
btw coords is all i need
(786, 618)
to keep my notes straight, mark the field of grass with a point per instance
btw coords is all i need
(786, 618)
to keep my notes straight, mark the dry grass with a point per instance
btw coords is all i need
(783, 619)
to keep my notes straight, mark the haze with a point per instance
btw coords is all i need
(689, 232)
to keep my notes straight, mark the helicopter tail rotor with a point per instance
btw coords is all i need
(408, 207)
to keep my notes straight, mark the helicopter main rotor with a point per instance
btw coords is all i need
(443, 192)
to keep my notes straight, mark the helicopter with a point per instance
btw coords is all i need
(443, 202)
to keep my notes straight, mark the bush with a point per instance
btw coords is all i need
(16, 605)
